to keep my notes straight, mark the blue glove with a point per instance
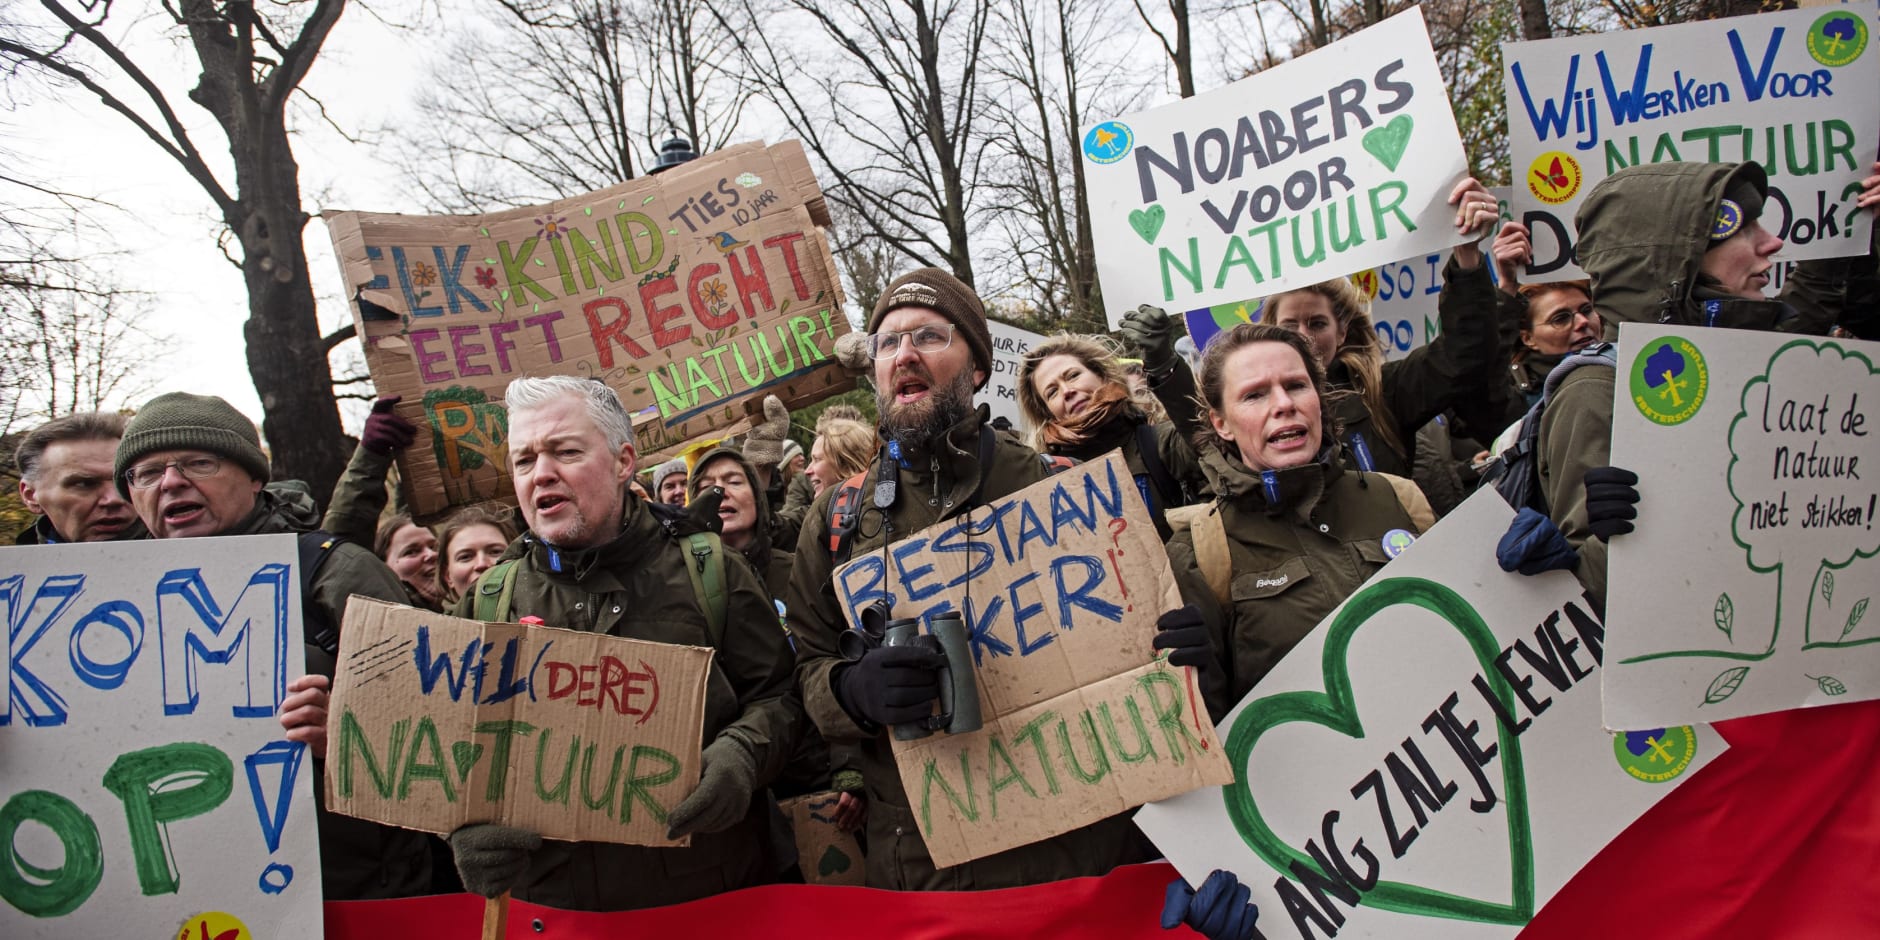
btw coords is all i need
(1533, 544)
(1219, 911)
(1611, 501)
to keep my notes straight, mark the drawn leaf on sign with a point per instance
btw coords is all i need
(1827, 586)
(1725, 685)
(1829, 685)
(1853, 617)
(1725, 614)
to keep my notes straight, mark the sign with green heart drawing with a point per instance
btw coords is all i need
(1758, 456)
(1429, 761)
(1338, 161)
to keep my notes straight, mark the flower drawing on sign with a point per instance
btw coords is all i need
(714, 293)
(486, 278)
(552, 226)
(423, 275)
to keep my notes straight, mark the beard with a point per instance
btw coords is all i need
(930, 418)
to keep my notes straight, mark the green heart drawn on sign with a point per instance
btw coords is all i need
(1148, 222)
(1336, 709)
(1386, 143)
(834, 862)
(465, 754)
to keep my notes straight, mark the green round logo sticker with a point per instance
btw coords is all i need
(1837, 38)
(1670, 380)
(1657, 755)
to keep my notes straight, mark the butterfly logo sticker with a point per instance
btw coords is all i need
(1554, 177)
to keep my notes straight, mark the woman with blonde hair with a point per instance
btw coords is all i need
(842, 449)
(1380, 405)
(469, 543)
(1077, 402)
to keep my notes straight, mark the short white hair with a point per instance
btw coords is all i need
(604, 407)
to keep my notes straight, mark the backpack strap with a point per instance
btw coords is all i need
(496, 592)
(1151, 451)
(1411, 497)
(707, 573)
(845, 514)
(1210, 541)
(315, 548)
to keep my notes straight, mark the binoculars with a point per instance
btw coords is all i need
(959, 690)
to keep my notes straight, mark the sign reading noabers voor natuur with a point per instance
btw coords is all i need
(1060, 585)
(694, 293)
(438, 722)
(1758, 456)
(1337, 161)
(146, 786)
(1792, 90)
(1429, 761)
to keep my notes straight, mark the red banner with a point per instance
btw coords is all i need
(1780, 837)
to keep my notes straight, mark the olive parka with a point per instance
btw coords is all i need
(1643, 234)
(942, 479)
(360, 860)
(636, 586)
(1298, 548)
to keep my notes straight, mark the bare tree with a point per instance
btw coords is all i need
(69, 342)
(252, 61)
(547, 98)
(1175, 41)
(893, 112)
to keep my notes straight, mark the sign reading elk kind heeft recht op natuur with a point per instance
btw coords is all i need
(1337, 161)
(694, 293)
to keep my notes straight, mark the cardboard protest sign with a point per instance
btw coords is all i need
(437, 722)
(1009, 346)
(824, 853)
(1755, 455)
(1060, 585)
(1339, 160)
(1429, 761)
(144, 779)
(1793, 91)
(695, 292)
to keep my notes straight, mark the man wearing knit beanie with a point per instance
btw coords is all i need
(669, 482)
(192, 466)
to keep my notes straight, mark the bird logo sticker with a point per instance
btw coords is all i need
(1109, 142)
(1554, 177)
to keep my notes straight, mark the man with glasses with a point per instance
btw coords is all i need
(192, 467)
(931, 351)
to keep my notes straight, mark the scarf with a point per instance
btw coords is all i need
(1109, 402)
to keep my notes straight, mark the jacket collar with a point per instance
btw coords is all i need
(639, 540)
(955, 455)
(1295, 491)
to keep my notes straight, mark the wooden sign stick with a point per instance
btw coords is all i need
(495, 916)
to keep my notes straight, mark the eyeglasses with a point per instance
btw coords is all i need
(926, 339)
(200, 467)
(1563, 317)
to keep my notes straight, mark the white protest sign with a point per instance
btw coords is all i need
(147, 788)
(1793, 91)
(1339, 160)
(1428, 762)
(1758, 457)
(1060, 585)
(1404, 294)
(1009, 346)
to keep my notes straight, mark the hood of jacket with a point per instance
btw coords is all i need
(1643, 234)
(758, 551)
(281, 506)
(1293, 492)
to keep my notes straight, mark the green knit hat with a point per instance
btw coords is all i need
(181, 421)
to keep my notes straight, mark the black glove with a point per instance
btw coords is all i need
(1533, 544)
(725, 781)
(1611, 501)
(890, 685)
(385, 433)
(492, 858)
(1219, 911)
(1182, 633)
(1148, 328)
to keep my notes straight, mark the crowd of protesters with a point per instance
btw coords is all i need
(1278, 472)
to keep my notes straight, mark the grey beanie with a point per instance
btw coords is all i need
(664, 470)
(181, 421)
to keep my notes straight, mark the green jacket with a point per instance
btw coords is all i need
(636, 586)
(1177, 456)
(360, 860)
(1294, 559)
(938, 484)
